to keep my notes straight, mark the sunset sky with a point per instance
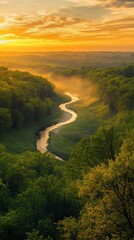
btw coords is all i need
(72, 25)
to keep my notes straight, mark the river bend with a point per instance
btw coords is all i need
(42, 142)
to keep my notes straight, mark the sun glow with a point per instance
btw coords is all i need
(71, 26)
(4, 41)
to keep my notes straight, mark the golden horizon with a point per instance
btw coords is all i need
(67, 25)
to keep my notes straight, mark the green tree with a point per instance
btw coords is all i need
(68, 229)
(2, 150)
(17, 118)
(5, 119)
(28, 112)
(110, 190)
(101, 147)
(111, 98)
(34, 235)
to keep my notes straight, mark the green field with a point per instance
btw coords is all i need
(63, 141)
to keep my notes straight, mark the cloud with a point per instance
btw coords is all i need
(29, 21)
(120, 3)
(3, 2)
(42, 29)
(39, 26)
(85, 12)
(106, 3)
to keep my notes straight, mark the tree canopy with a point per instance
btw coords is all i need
(23, 98)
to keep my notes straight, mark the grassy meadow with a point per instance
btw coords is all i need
(63, 140)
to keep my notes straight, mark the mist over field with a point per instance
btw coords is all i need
(60, 60)
(85, 90)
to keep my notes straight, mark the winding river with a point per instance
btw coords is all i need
(42, 142)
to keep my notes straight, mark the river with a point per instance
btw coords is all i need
(42, 142)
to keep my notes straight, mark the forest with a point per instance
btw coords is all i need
(23, 98)
(90, 196)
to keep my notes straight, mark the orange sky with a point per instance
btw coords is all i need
(75, 25)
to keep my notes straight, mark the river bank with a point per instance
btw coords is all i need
(24, 138)
(42, 142)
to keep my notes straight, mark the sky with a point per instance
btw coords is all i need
(66, 25)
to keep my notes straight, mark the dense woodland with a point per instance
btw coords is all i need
(90, 196)
(23, 98)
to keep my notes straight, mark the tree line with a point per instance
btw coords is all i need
(23, 98)
(115, 84)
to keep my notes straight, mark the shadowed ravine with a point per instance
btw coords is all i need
(42, 142)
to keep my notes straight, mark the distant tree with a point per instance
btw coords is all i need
(5, 119)
(2, 149)
(28, 112)
(111, 98)
(5, 97)
(34, 235)
(17, 118)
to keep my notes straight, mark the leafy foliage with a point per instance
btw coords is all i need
(107, 192)
(23, 98)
